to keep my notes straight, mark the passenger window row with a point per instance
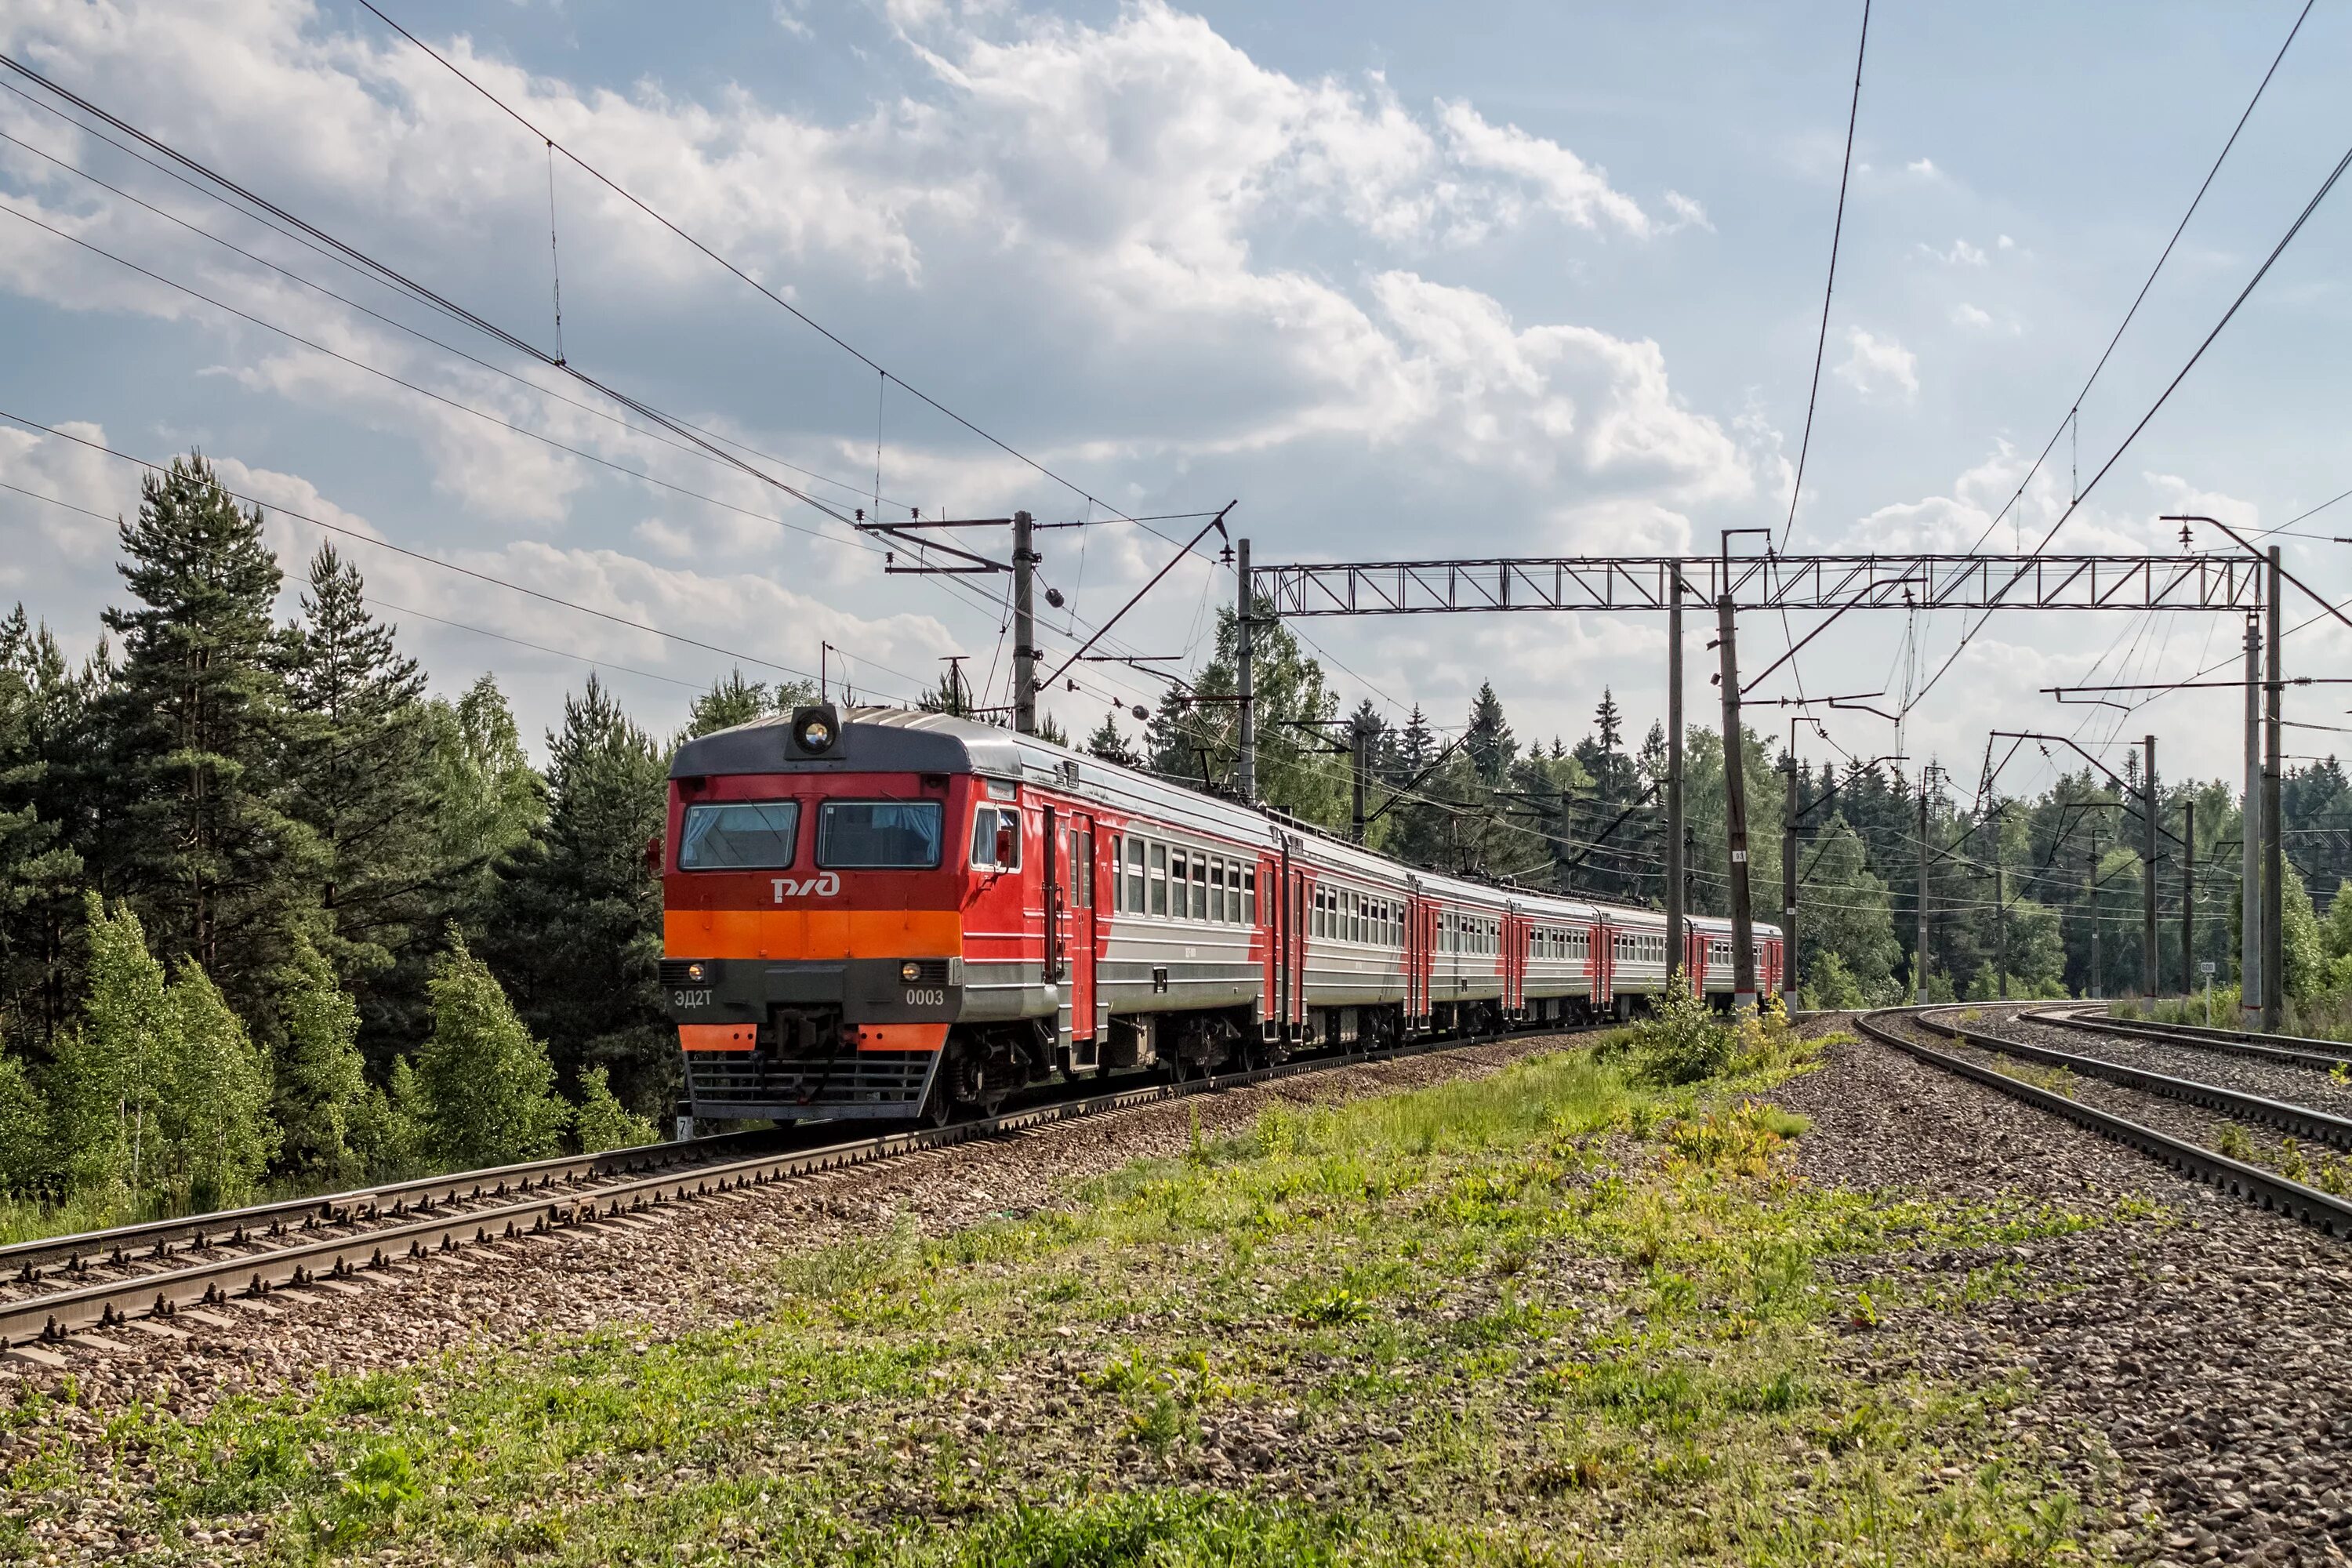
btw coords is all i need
(1172, 882)
(1468, 933)
(1553, 943)
(1344, 914)
(1641, 947)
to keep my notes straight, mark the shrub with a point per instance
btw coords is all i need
(1682, 1041)
(604, 1122)
(217, 1133)
(481, 1084)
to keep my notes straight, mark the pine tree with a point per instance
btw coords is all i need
(578, 939)
(736, 700)
(201, 841)
(1490, 745)
(360, 750)
(322, 1090)
(482, 1084)
(214, 1111)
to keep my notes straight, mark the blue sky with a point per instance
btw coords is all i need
(1405, 281)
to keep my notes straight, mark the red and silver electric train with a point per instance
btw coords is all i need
(892, 914)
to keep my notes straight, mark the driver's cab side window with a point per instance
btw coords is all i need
(996, 838)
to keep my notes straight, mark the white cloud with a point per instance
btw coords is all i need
(2005, 243)
(1566, 183)
(1971, 315)
(1879, 367)
(1687, 213)
(1923, 167)
(1961, 254)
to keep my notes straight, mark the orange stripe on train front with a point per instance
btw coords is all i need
(809, 933)
(717, 1038)
(897, 1037)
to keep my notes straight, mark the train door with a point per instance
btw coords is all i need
(1604, 964)
(1296, 913)
(1079, 840)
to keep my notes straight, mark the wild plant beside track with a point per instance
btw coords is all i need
(1504, 1320)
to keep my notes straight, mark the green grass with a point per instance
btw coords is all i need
(1548, 1315)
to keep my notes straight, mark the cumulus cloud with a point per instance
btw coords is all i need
(1563, 181)
(1961, 254)
(1879, 368)
(1688, 213)
(1923, 167)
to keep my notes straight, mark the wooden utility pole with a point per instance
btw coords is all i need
(1735, 793)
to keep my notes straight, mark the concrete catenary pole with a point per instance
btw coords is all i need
(2250, 834)
(2274, 857)
(2151, 975)
(1789, 878)
(1734, 814)
(1678, 906)
(1999, 913)
(2189, 896)
(1360, 748)
(1245, 676)
(1919, 962)
(2089, 886)
(1024, 627)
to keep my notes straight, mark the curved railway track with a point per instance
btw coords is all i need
(2240, 1178)
(2288, 1050)
(141, 1277)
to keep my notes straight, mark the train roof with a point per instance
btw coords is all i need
(909, 741)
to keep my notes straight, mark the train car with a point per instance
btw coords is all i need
(887, 914)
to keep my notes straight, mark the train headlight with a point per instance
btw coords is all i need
(816, 730)
(910, 970)
(693, 972)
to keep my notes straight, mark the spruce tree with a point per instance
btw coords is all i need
(1108, 744)
(1609, 722)
(482, 1085)
(359, 754)
(321, 1092)
(202, 842)
(43, 742)
(578, 940)
(736, 700)
(1490, 745)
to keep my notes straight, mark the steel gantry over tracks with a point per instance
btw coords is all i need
(1900, 580)
(1892, 581)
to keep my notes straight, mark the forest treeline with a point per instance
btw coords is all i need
(275, 914)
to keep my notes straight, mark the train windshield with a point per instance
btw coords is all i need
(903, 835)
(739, 835)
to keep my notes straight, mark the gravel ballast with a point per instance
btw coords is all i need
(2186, 1358)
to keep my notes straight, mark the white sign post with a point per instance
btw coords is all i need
(2207, 967)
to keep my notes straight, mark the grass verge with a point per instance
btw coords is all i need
(1556, 1315)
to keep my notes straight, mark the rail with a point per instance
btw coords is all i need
(101, 1304)
(2329, 1056)
(2240, 1179)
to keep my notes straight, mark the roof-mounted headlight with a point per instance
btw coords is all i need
(816, 732)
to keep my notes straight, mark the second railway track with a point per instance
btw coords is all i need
(2171, 1118)
(144, 1276)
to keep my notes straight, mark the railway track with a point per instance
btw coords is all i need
(2240, 1178)
(2288, 1050)
(139, 1277)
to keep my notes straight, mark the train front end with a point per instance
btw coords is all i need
(811, 934)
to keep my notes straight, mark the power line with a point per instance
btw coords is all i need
(511, 585)
(2325, 185)
(2074, 411)
(1837, 231)
(769, 294)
